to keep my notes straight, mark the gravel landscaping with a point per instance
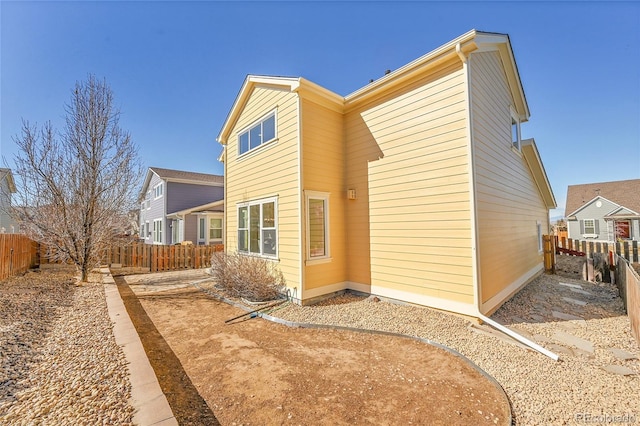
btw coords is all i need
(59, 361)
(588, 384)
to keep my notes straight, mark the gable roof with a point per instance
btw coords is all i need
(170, 175)
(7, 174)
(625, 193)
(458, 48)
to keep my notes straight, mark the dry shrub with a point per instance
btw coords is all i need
(249, 277)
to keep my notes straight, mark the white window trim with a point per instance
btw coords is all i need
(589, 234)
(248, 128)
(539, 236)
(324, 196)
(517, 144)
(260, 202)
(155, 190)
(157, 231)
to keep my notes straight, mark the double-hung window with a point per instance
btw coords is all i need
(258, 134)
(317, 225)
(258, 227)
(589, 228)
(215, 228)
(157, 231)
(158, 190)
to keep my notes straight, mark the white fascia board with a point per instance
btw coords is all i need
(197, 208)
(145, 185)
(588, 203)
(291, 83)
(408, 69)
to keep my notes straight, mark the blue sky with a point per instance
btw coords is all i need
(176, 67)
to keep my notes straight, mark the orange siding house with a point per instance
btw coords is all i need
(417, 187)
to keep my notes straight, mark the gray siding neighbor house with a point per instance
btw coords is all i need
(7, 187)
(605, 211)
(179, 206)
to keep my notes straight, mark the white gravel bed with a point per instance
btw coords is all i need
(59, 361)
(575, 390)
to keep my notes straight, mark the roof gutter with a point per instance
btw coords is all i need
(479, 314)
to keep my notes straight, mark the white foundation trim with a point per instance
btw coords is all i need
(430, 301)
(511, 289)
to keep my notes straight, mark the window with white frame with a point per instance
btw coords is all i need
(515, 132)
(539, 233)
(158, 190)
(589, 227)
(258, 134)
(258, 227)
(157, 231)
(148, 200)
(215, 228)
(147, 230)
(317, 225)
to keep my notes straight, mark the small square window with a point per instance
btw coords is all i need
(515, 133)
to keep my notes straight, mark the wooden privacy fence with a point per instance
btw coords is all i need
(628, 284)
(17, 254)
(625, 249)
(161, 258)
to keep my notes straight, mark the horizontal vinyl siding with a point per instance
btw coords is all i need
(181, 196)
(407, 158)
(323, 171)
(156, 210)
(270, 171)
(508, 201)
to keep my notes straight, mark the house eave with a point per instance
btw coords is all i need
(462, 46)
(203, 208)
(532, 157)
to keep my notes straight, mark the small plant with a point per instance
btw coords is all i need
(248, 277)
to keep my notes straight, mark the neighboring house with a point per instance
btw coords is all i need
(177, 206)
(605, 211)
(417, 187)
(7, 187)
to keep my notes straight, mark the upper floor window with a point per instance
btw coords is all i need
(148, 200)
(258, 134)
(515, 132)
(158, 190)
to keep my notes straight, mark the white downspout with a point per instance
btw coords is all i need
(478, 299)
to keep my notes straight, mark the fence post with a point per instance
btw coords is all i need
(626, 251)
(549, 254)
(634, 245)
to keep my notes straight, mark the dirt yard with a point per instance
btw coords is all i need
(255, 372)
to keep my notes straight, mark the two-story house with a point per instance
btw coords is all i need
(416, 187)
(604, 211)
(177, 206)
(7, 187)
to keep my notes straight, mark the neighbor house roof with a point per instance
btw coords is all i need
(170, 175)
(6, 174)
(625, 193)
(457, 48)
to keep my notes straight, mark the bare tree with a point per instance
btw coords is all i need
(76, 187)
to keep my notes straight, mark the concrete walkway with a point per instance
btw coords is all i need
(150, 404)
